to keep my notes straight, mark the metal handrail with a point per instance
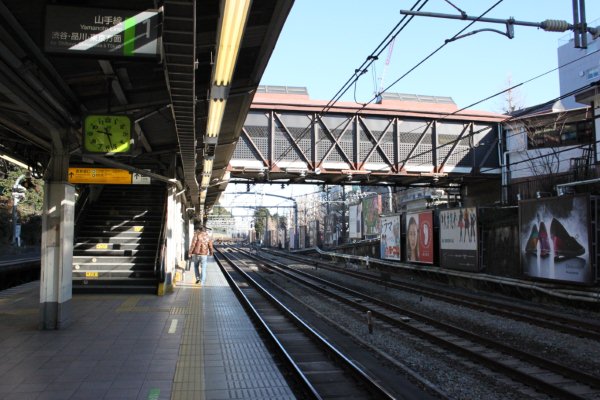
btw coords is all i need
(80, 207)
(159, 265)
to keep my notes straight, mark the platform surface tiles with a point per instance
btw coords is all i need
(194, 343)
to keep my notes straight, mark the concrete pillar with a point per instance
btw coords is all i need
(175, 246)
(56, 285)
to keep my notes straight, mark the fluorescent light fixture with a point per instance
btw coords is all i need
(208, 165)
(205, 181)
(216, 110)
(235, 14)
(14, 161)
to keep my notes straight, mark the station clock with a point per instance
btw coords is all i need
(107, 134)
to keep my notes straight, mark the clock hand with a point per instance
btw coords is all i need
(108, 135)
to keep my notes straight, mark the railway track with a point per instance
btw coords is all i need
(320, 370)
(559, 322)
(549, 377)
(19, 270)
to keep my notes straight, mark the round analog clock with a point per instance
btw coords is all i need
(107, 134)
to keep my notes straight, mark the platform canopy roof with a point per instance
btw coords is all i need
(164, 65)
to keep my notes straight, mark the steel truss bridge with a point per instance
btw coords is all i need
(288, 139)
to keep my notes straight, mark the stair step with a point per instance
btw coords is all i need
(112, 275)
(102, 220)
(128, 212)
(121, 229)
(103, 253)
(96, 245)
(116, 257)
(117, 241)
(124, 234)
(87, 263)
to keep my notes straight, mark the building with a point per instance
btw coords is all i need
(578, 67)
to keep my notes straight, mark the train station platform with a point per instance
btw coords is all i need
(194, 343)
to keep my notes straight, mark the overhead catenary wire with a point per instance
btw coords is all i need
(380, 48)
(349, 119)
(510, 118)
(358, 72)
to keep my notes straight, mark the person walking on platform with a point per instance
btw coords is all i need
(200, 249)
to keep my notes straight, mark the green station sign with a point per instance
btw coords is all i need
(101, 32)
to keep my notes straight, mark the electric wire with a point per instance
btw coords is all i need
(480, 101)
(336, 97)
(510, 118)
(375, 54)
(399, 27)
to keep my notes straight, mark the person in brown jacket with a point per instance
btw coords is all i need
(200, 248)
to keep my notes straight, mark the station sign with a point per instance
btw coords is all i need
(106, 176)
(101, 32)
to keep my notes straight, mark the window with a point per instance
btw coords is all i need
(592, 73)
(557, 133)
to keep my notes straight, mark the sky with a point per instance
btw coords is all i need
(323, 42)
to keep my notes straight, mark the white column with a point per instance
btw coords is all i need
(596, 105)
(174, 250)
(57, 255)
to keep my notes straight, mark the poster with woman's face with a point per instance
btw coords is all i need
(419, 237)
(554, 238)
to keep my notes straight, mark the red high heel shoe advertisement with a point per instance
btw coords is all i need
(555, 239)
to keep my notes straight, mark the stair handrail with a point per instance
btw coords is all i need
(81, 206)
(159, 265)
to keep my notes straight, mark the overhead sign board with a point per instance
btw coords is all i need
(139, 179)
(100, 176)
(101, 32)
(107, 176)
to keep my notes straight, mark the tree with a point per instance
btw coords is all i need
(29, 208)
(261, 216)
(513, 99)
(221, 211)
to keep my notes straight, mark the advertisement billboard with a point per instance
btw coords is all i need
(355, 222)
(458, 239)
(554, 238)
(371, 208)
(390, 237)
(419, 237)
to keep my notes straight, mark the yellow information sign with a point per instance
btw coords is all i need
(100, 175)
(91, 274)
(102, 246)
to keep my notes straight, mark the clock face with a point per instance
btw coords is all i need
(107, 134)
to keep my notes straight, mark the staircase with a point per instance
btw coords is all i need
(580, 166)
(116, 246)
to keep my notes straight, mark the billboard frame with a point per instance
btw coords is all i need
(591, 238)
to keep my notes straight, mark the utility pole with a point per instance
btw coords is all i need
(344, 225)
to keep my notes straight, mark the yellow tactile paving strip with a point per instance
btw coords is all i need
(189, 376)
